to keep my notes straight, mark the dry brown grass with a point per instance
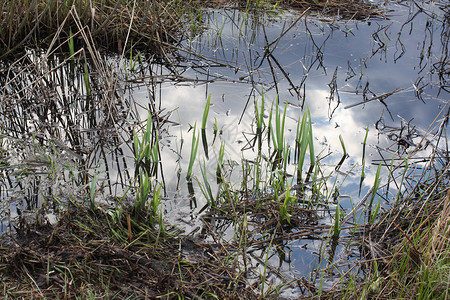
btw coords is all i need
(146, 24)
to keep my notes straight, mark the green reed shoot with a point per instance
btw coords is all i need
(205, 143)
(155, 211)
(134, 60)
(146, 155)
(288, 199)
(363, 175)
(374, 214)
(259, 113)
(206, 187)
(194, 148)
(206, 112)
(376, 184)
(71, 44)
(278, 137)
(343, 145)
(142, 193)
(304, 140)
(219, 169)
(203, 129)
(364, 151)
(269, 126)
(196, 21)
(300, 144)
(93, 191)
(162, 227)
(152, 209)
(337, 221)
(286, 156)
(155, 154)
(146, 151)
(344, 156)
(215, 130)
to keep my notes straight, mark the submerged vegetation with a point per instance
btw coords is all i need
(70, 124)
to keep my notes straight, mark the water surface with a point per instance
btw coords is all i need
(387, 75)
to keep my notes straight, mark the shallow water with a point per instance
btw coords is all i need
(330, 67)
(384, 74)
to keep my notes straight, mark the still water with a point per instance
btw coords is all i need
(381, 74)
(389, 76)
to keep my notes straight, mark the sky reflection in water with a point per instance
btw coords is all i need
(372, 59)
(228, 62)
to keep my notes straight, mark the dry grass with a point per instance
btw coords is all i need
(150, 25)
(346, 9)
(146, 24)
(406, 252)
(88, 254)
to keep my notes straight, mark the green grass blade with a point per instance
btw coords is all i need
(206, 112)
(312, 156)
(344, 156)
(194, 148)
(363, 175)
(376, 184)
(71, 44)
(206, 188)
(337, 221)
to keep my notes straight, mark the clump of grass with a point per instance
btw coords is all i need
(354, 9)
(146, 152)
(287, 203)
(277, 133)
(303, 142)
(149, 24)
(146, 149)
